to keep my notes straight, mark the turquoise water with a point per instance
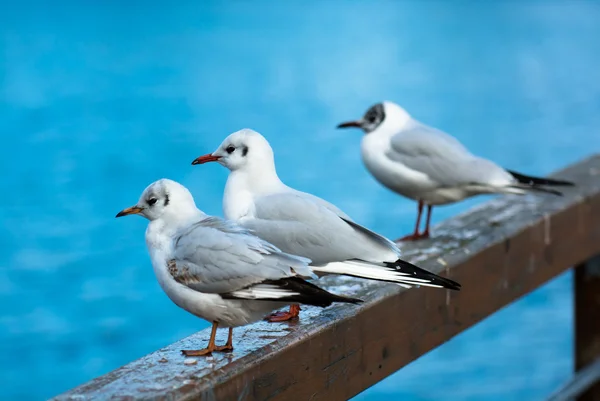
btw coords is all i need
(98, 99)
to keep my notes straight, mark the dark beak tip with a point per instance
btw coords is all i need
(349, 124)
(205, 159)
(129, 211)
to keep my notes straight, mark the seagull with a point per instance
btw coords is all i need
(427, 165)
(303, 224)
(216, 269)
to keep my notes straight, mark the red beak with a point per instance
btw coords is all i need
(205, 159)
(349, 124)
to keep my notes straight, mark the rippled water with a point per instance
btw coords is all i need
(97, 100)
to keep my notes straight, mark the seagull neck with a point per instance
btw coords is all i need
(243, 187)
(160, 231)
(378, 141)
(158, 235)
(393, 123)
(258, 180)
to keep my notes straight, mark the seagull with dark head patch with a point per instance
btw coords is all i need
(432, 167)
(303, 224)
(216, 269)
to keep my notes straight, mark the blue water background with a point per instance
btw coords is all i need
(98, 99)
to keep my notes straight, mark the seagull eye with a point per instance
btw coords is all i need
(230, 149)
(152, 201)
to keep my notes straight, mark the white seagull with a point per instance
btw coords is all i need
(303, 224)
(430, 166)
(217, 270)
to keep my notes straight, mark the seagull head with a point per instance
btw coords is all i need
(380, 115)
(163, 198)
(244, 149)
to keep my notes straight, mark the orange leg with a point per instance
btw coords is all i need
(425, 234)
(211, 344)
(285, 316)
(228, 347)
(415, 235)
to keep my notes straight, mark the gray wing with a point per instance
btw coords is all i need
(373, 236)
(217, 256)
(296, 223)
(442, 158)
(323, 203)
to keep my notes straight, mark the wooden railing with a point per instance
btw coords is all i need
(498, 251)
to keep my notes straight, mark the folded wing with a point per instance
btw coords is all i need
(217, 256)
(298, 224)
(442, 159)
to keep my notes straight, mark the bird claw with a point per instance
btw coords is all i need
(280, 317)
(207, 351)
(197, 352)
(224, 348)
(292, 314)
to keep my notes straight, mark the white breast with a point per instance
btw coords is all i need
(394, 175)
(238, 200)
(210, 307)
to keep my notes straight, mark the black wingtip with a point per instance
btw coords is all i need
(311, 294)
(535, 188)
(349, 300)
(305, 293)
(535, 181)
(417, 272)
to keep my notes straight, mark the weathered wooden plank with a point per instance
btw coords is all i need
(587, 320)
(498, 252)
